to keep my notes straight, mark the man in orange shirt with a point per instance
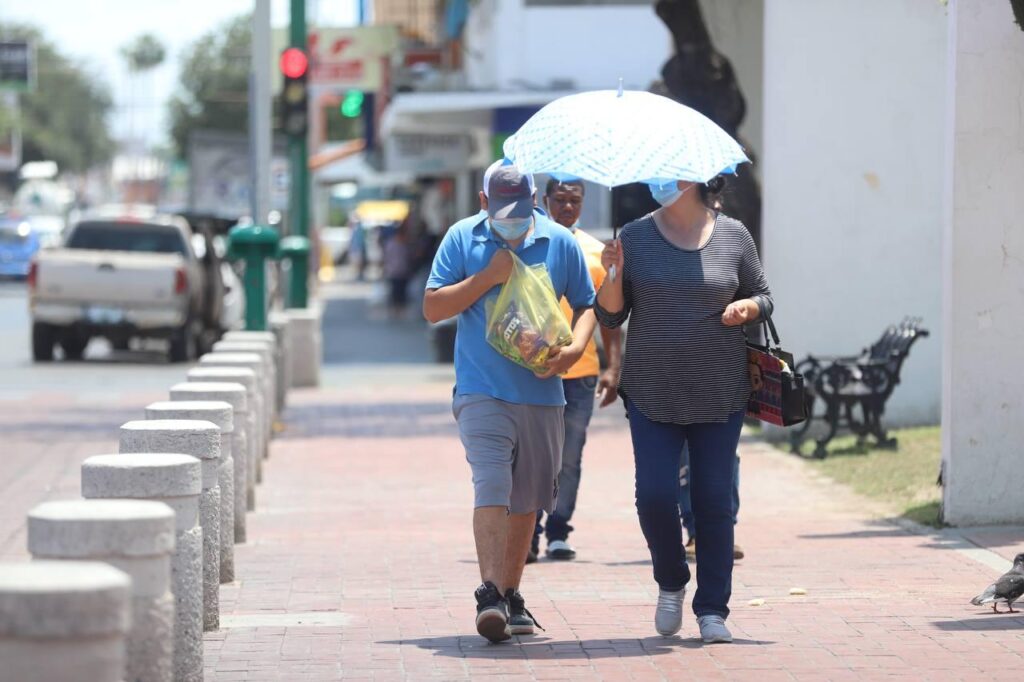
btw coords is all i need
(564, 203)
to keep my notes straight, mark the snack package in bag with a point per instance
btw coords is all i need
(525, 321)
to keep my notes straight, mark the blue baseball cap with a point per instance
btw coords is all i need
(509, 193)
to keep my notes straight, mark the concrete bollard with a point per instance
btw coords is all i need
(278, 356)
(63, 621)
(175, 480)
(266, 351)
(244, 438)
(253, 361)
(306, 343)
(135, 536)
(200, 439)
(278, 323)
(212, 408)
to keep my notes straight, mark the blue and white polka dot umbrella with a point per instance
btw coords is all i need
(618, 137)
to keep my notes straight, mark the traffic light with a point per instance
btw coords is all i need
(295, 96)
(352, 104)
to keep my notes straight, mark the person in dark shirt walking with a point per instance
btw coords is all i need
(688, 278)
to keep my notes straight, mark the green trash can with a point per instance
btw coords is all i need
(295, 249)
(254, 245)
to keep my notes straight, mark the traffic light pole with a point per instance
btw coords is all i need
(298, 154)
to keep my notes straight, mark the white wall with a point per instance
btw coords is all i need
(737, 30)
(983, 429)
(853, 179)
(513, 47)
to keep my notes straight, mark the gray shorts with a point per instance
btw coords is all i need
(515, 451)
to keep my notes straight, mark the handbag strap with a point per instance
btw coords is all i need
(764, 328)
(771, 327)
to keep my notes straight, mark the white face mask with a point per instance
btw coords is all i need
(511, 229)
(668, 195)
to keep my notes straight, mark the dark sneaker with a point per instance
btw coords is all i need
(560, 550)
(491, 613)
(520, 620)
(531, 556)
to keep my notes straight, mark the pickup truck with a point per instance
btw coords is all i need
(124, 274)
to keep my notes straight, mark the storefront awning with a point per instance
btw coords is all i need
(453, 110)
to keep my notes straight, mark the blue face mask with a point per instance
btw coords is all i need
(511, 229)
(669, 194)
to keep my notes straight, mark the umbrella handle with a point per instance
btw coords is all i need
(613, 271)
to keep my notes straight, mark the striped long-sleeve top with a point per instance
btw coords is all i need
(682, 365)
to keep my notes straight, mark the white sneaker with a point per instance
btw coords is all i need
(560, 550)
(668, 618)
(713, 630)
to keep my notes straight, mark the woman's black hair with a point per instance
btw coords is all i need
(711, 192)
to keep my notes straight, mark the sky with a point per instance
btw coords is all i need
(92, 32)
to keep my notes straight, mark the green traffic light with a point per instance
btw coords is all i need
(352, 105)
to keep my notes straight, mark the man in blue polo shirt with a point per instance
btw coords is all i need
(510, 419)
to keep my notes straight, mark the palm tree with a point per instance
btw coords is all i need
(141, 55)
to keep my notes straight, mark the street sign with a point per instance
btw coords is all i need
(427, 153)
(17, 65)
(219, 165)
(345, 58)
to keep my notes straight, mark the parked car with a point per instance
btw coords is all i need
(123, 273)
(18, 244)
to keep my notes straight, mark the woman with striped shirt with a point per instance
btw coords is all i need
(688, 279)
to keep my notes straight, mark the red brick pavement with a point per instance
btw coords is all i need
(360, 563)
(365, 520)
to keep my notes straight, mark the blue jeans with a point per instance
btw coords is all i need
(686, 507)
(657, 449)
(579, 408)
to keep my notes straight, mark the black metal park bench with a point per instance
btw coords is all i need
(858, 383)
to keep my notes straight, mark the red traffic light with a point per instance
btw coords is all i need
(294, 63)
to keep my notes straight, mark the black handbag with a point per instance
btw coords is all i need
(777, 393)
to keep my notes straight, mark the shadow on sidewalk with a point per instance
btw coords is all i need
(1007, 621)
(81, 421)
(542, 647)
(355, 332)
(371, 420)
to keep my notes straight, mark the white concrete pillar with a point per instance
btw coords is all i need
(983, 275)
(273, 338)
(265, 349)
(175, 480)
(306, 343)
(135, 536)
(200, 439)
(63, 621)
(253, 361)
(245, 441)
(278, 321)
(213, 408)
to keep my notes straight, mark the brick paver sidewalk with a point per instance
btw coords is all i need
(361, 566)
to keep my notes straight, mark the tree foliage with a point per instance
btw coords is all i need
(214, 83)
(144, 53)
(64, 118)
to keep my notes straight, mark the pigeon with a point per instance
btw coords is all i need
(1006, 590)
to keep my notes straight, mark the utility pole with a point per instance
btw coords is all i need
(298, 154)
(260, 129)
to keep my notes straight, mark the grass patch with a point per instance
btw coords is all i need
(904, 477)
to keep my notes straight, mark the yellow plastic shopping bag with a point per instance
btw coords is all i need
(525, 321)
